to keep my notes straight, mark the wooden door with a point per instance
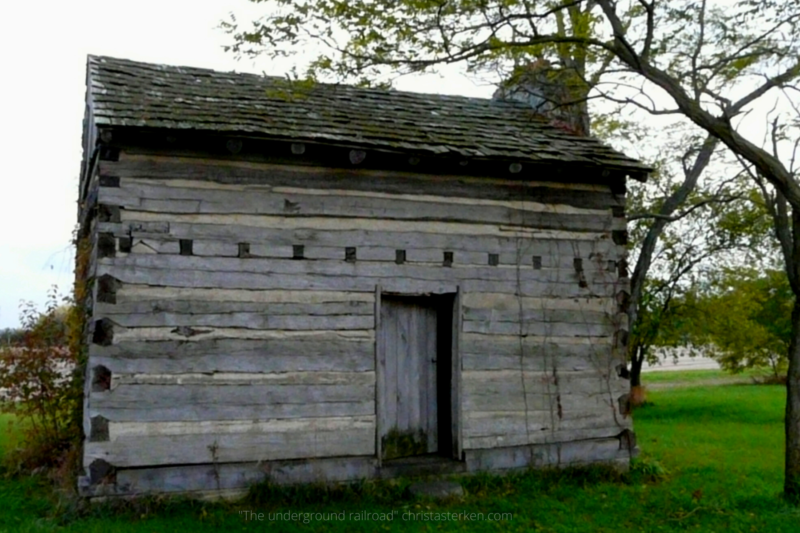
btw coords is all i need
(408, 357)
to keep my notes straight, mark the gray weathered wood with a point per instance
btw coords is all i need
(536, 315)
(231, 476)
(586, 381)
(184, 271)
(324, 178)
(388, 363)
(518, 439)
(243, 379)
(312, 344)
(380, 371)
(313, 441)
(510, 247)
(260, 321)
(540, 360)
(237, 357)
(558, 329)
(428, 376)
(531, 423)
(211, 412)
(165, 363)
(527, 249)
(456, 393)
(127, 293)
(345, 269)
(548, 347)
(209, 477)
(200, 307)
(158, 196)
(545, 455)
(394, 283)
(314, 352)
(197, 397)
(511, 303)
(195, 334)
(409, 343)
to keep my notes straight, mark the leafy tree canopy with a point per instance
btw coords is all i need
(744, 316)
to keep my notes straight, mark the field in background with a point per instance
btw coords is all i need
(702, 377)
(722, 447)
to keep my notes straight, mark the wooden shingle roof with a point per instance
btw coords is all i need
(128, 93)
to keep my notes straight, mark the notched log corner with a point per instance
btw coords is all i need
(109, 153)
(125, 245)
(102, 473)
(109, 181)
(103, 333)
(101, 379)
(621, 339)
(622, 267)
(627, 440)
(623, 301)
(109, 213)
(99, 429)
(107, 287)
(106, 245)
(624, 403)
(620, 237)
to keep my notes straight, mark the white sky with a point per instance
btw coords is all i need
(43, 49)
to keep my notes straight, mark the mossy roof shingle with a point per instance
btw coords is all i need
(128, 93)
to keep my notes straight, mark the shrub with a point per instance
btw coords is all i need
(38, 388)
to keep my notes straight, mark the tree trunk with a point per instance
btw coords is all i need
(637, 362)
(787, 230)
(645, 259)
(638, 395)
(791, 487)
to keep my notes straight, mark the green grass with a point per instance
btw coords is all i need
(8, 432)
(722, 447)
(694, 376)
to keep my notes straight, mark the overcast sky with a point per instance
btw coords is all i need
(43, 47)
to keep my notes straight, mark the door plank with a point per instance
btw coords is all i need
(409, 344)
(431, 363)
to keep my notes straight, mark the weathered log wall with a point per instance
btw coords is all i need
(235, 310)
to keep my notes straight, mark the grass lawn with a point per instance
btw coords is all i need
(722, 446)
(687, 377)
(6, 431)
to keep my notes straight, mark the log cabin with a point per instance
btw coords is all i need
(323, 283)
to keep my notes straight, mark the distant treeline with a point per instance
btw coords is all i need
(11, 336)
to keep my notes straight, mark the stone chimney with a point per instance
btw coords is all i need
(556, 93)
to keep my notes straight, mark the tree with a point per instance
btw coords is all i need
(746, 319)
(714, 61)
(721, 223)
(11, 336)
